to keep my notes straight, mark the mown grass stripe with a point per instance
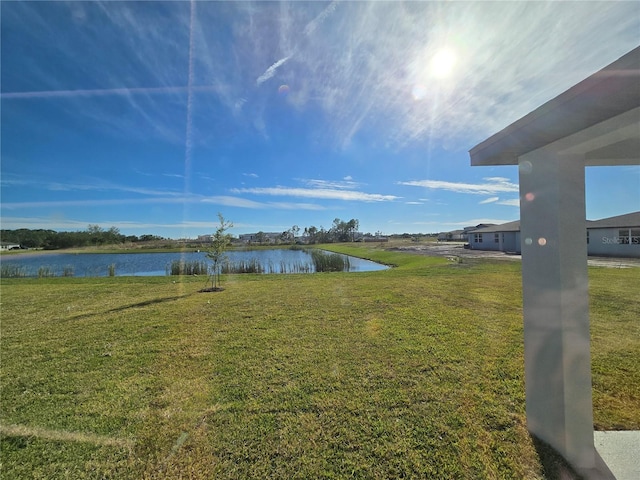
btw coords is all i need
(64, 436)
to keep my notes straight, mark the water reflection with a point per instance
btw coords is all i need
(154, 264)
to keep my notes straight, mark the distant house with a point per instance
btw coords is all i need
(617, 236)
(460, 235)
(263, 237)
(9, 246)
(452, 236)
(503, 238)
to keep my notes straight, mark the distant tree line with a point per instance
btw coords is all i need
(340, 231)
(94, 235)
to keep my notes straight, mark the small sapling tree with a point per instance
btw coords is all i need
(216, 253)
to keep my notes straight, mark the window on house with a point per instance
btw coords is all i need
(587, 237)
(635, 236)
(496, 238)
(623, 236)
(478, 237)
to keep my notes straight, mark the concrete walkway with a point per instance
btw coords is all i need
(621, 452)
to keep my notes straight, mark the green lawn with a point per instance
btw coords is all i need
(414, 372)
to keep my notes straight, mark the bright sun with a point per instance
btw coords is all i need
(442, 63)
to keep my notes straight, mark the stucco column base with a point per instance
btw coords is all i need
(556, 308)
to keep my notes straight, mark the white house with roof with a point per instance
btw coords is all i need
(617, 236)
(460, 235)
(260, 237)
(503, 238)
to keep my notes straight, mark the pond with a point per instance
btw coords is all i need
(153, 264)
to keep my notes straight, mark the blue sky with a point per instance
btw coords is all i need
(155, 116)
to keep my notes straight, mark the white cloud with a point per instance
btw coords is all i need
(229, 201)
(513, 202)
(492, 185)
(296, 206)
(476, 221)
(81, 203)
(346, 184)
(12, 223)
(66, 224)
(318, 193)
(86, 184)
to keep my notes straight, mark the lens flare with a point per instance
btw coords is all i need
(418, 92)
(283, 90)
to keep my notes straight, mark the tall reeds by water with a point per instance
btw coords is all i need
(254, 266)
(330, 262)
(13, 271)
(19, 271)
(181, 267)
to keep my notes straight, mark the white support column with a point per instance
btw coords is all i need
(556, 307)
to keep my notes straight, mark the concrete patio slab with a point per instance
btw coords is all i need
(621, 452)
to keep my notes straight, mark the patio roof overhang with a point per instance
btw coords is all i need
(597, 118)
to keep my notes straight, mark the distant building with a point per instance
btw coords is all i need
(460, 235)
(260, 237)
(617, 236)
(9, 246)
(503, 238)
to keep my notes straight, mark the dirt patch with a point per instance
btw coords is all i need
(455, 249)
(211, 289)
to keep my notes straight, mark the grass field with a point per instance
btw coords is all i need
(414, 372)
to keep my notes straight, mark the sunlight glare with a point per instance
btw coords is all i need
(442, 63)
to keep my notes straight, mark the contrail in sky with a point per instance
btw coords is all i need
(106, 91)
(308, 30)
(271, 71)
(313, 24)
